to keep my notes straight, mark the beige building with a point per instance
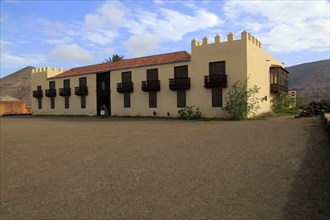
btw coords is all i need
(162, 84)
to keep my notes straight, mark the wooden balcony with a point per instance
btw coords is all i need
(150, 85)
(215, 81)
(37, 93)
(51, 92)
(180, 83)
(125, 87)
(278, 88)
(65, 91)
(81, 90)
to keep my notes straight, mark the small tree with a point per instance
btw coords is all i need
(114, 58)
(285, 105)
(242, 101)
(190, 113)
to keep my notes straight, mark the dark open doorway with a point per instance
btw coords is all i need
(103, 91)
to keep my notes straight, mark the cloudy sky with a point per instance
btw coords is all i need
(83, 32)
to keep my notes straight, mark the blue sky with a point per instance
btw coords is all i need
(82, 32)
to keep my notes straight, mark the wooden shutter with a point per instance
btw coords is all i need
(66, 83)
(83, 101)
(127, 100)
(152, 74)
(126, 77)
(66, 102)
(181, 98)
(153, 99)
(52, 84)
(83, 81)
(217, 68)
(52, 102)
(180, 71)
(216, 97)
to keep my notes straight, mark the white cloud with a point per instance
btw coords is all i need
(10, 60)
(141, 44)
(283, 26)
(71, 52)
(52, 28)
(109, 14)
(166, 25)
(63, 40)
(102, 37)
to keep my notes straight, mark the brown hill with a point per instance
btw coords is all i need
(311, 80)
(18, 84)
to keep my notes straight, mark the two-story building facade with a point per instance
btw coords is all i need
(162, 84)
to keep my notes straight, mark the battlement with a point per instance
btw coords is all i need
(48, 71)
(230, 38)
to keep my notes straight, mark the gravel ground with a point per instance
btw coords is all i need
(127, 168)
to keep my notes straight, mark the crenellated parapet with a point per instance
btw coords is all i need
(48, 71)
(245, 36)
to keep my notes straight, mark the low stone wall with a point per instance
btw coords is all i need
(14, 108)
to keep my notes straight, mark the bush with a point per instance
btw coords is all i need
(314, 109)
(285, 105)
(190, 113)
(242, 101)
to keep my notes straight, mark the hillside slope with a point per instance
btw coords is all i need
(311, 80)
(18, 84)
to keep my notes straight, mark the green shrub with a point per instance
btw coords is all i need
(285, 105)
(190, 113)
(242, 100)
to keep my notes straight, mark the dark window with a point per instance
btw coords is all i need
(180, 71)
(153, 99)
(127, 100)
(66, 83)
(181, 98)
(39, 99)
(52, 84)
(39, 103)
(216, 97)
(52, 102)
(83, 101)
(152, 74)
(66, 102)
(83, 81)
(217, 68)
(126, 76)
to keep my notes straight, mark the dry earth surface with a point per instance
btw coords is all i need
(126, 168)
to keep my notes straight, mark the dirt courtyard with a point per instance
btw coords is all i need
(137, 168)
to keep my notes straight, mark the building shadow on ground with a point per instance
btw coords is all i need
(309, 197)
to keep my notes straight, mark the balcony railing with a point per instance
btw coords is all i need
(37, 93)
(125, 87)
(180, 83)
(150, 85)
(51, 92)
(81, 90)
(65, 91)
(275, 87)
(215, 81)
